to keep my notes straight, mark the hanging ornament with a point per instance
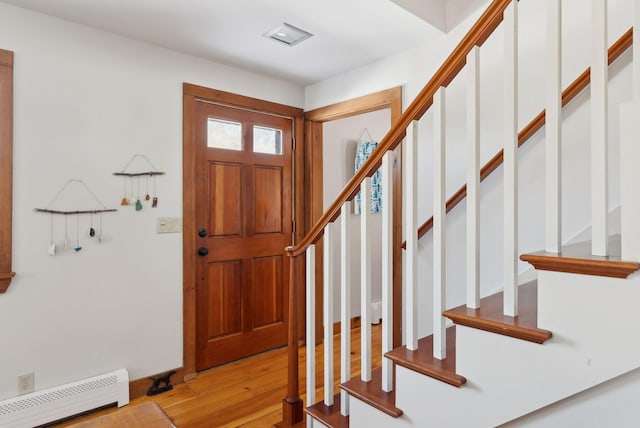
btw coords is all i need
(147, 197)
(77, 248)
(124, 200)
(131, 191)
(92, 231)
(66, 236)
(138, 203)
(52, 245)
(130, 174)
(154, 203)
(100, 234)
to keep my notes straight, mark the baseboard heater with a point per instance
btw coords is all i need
(60, 402)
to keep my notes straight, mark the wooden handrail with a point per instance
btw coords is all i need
(478, 34)
(617, 49)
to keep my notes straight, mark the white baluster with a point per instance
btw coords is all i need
(553, 161)
(599, 130)
(511, 160)
(411, 313)
(311, 328)
(328, 315)
(345, 307)
(387, 269)
(365, 281)
(439, 230)
(473, 178)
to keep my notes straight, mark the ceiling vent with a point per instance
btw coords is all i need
(287, 34)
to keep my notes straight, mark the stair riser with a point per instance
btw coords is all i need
(365, 416)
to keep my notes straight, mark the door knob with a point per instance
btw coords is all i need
(202, 233)
(202, 251)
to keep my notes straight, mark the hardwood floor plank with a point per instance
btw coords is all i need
(246, 393)
(146, 415)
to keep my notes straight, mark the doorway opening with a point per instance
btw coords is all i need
(315, 120)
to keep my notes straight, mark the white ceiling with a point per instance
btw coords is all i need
(347, 33)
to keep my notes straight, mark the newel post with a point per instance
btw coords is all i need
(292, 404)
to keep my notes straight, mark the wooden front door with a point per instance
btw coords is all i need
(244, 222)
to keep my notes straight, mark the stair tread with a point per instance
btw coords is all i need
(577, 258)
(423, 361)
(490, 316)
(329, 415)
(372, 393)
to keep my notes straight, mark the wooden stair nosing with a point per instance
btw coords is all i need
(557, 263)
(577, 258)
(372, 393)
(489, 317)
(422, 360)
(329, 415)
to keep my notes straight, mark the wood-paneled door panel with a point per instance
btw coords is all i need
(244, 209)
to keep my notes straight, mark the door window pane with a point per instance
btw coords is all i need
(223, 134)
(267, 140)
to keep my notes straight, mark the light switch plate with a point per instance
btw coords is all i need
(169, 225)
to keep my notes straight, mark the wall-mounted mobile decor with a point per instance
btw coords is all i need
(131, 184)
(77, 213)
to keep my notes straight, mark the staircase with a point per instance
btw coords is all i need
(558, 350)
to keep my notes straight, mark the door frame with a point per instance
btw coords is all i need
(191, 95)
(314, 119)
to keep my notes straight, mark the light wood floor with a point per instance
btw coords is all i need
(247, 393)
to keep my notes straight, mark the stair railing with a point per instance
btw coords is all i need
(466, 53)
(382, 156)
(525, 134)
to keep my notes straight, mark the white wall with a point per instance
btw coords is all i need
(413, 69)
(340, 140)
(85, 103)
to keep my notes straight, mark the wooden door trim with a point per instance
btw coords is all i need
(6, 168)
(191, 95)
(387, 99)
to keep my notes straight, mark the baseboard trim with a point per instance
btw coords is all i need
(139, 387)
(355, 323)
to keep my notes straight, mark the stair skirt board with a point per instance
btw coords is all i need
(63, 401)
